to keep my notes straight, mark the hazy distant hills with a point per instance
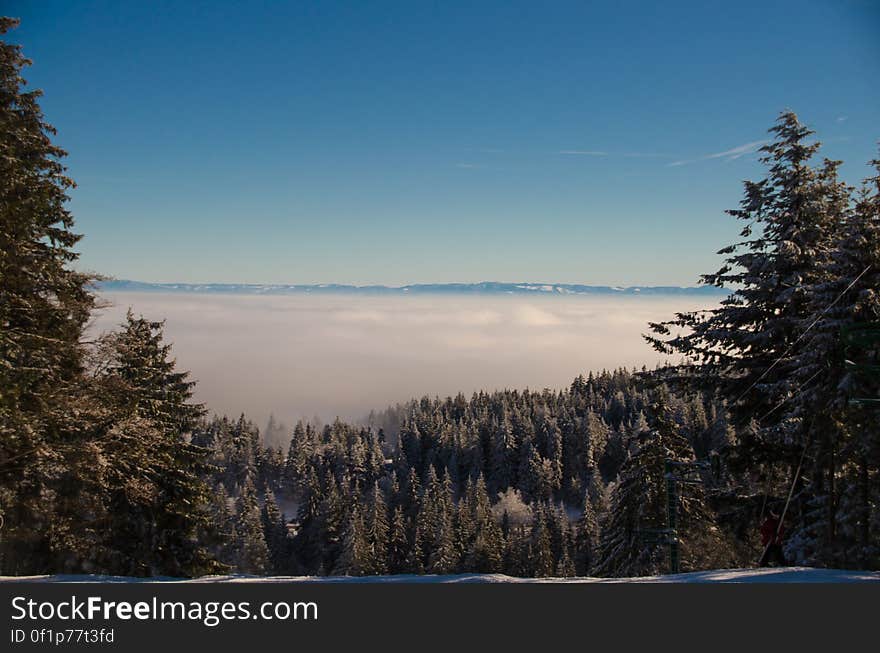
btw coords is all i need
(482, 288)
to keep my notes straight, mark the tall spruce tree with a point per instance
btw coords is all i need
(790, 217)
(275, 533)
(750, 347)
(540, 551)
(377, 532)
(354, 555)
(48, 420)
(838, 518)
(398, 545)
(632, 535)
(586, 539)
(156, 477)
(251, 552)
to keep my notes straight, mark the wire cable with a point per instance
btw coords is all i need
(801, 336)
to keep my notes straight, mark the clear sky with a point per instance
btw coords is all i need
(404, 142)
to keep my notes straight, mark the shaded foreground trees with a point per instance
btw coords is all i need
(804, 276)
(95, 474)
(44, 306)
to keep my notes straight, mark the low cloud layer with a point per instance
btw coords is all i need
(299, 356)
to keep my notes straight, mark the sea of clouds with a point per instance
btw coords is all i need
(301, 356)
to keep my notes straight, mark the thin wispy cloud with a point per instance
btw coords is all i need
(584, 152)
(842, 118)
(646, 155)
(625, 155)
(728, 155)
(737, 152)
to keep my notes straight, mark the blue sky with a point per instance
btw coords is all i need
(405, 142)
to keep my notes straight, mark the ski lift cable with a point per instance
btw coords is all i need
(800, 389)
(801, 336)
(786, 399)
(803, 454)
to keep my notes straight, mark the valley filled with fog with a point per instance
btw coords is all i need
(302, 356)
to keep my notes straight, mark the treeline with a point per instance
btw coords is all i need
(523, 483)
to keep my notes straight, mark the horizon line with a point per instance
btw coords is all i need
(528, 287)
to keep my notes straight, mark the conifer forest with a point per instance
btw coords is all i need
(768, 402)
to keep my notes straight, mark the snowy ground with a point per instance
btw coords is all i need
(767, 575)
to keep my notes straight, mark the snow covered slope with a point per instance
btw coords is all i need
(766, 575)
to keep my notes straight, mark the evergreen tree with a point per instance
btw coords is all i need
(296, 462)
(790, 217)
(587, 539)
(50, 425)
(443, 558)
(354, 556)
(636, 524)
(565, 567)
(377, 532)
(415, 557)
(333, 516)
(398, 546)
(309, 542)
(837, 518)
(159, 500)
(223, 518)
(751, 347)
(541, 554)
(275, 533)
(502, 458)
(251, 552)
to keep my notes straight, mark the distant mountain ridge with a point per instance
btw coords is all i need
(482, 288)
